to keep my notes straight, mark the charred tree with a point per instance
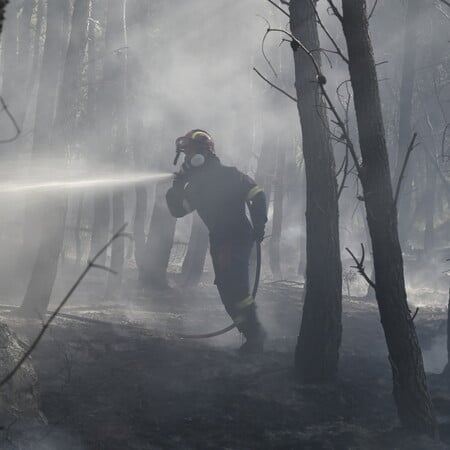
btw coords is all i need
(406, 103)
(141, 205)
(410, 388)
(116, 71)
(277, 220)
(95, 115)
(194, 261)
(159, 242)
(45, 267)
(317, 352)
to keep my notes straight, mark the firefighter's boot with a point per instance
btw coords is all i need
(253, 332)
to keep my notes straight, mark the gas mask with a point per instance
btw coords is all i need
(194, 157)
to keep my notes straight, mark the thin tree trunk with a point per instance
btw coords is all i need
(21, 100)
(194, 261)
(117, 25)
(141, 206)
(102, 207)
(159, 242)
(317, 352)
(277, 220)
(406, 102)
(410, 388)
(33, 75)
(77, 231)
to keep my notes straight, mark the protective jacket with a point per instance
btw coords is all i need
(219, 194)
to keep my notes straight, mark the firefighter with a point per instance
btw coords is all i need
(219, 194)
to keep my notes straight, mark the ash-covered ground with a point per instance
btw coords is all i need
(114, 375)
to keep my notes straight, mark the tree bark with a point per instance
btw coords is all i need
(410, 388)
(194, 261)
(317, 352)
(277, 220)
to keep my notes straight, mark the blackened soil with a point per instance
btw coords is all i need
(125, 381)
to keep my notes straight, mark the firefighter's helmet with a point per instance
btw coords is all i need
(195, 141)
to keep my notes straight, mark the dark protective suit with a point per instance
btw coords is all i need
(219, 194)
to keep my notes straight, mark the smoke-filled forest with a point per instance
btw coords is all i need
(224, 224)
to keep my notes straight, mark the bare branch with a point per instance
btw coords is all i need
(372, 10)
(415, 313)
(405, 163)
(275, 86)
(338, 50)
(264, 52)
(446, 2)
(90, 265)
(335, 10)
(13, 120)
(281, 9)
(360, 266)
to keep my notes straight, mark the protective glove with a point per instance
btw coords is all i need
(258, 233)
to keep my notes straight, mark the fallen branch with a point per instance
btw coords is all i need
(91, 264)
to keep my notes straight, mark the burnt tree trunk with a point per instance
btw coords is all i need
(159, 242)
(141, 207)
(317, 352)
(194, 261)
(410, 388)
(277, 220)
(116, 71)
(406, 102)
(22, 74)
(98, 141)
(54, 208)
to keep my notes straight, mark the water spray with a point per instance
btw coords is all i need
(42, 185)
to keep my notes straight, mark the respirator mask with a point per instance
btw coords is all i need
(194, 157)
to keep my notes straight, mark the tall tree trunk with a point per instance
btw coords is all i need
(44, 271)
(141, 206)
(277, 220)
(159, 242)
(317, 352)
(406, 102)
(24, 42)
(410, 388)
(194, 261)
(97, 141)
(33, 73)
(116, 37)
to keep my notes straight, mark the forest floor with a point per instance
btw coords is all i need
(120, 378)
